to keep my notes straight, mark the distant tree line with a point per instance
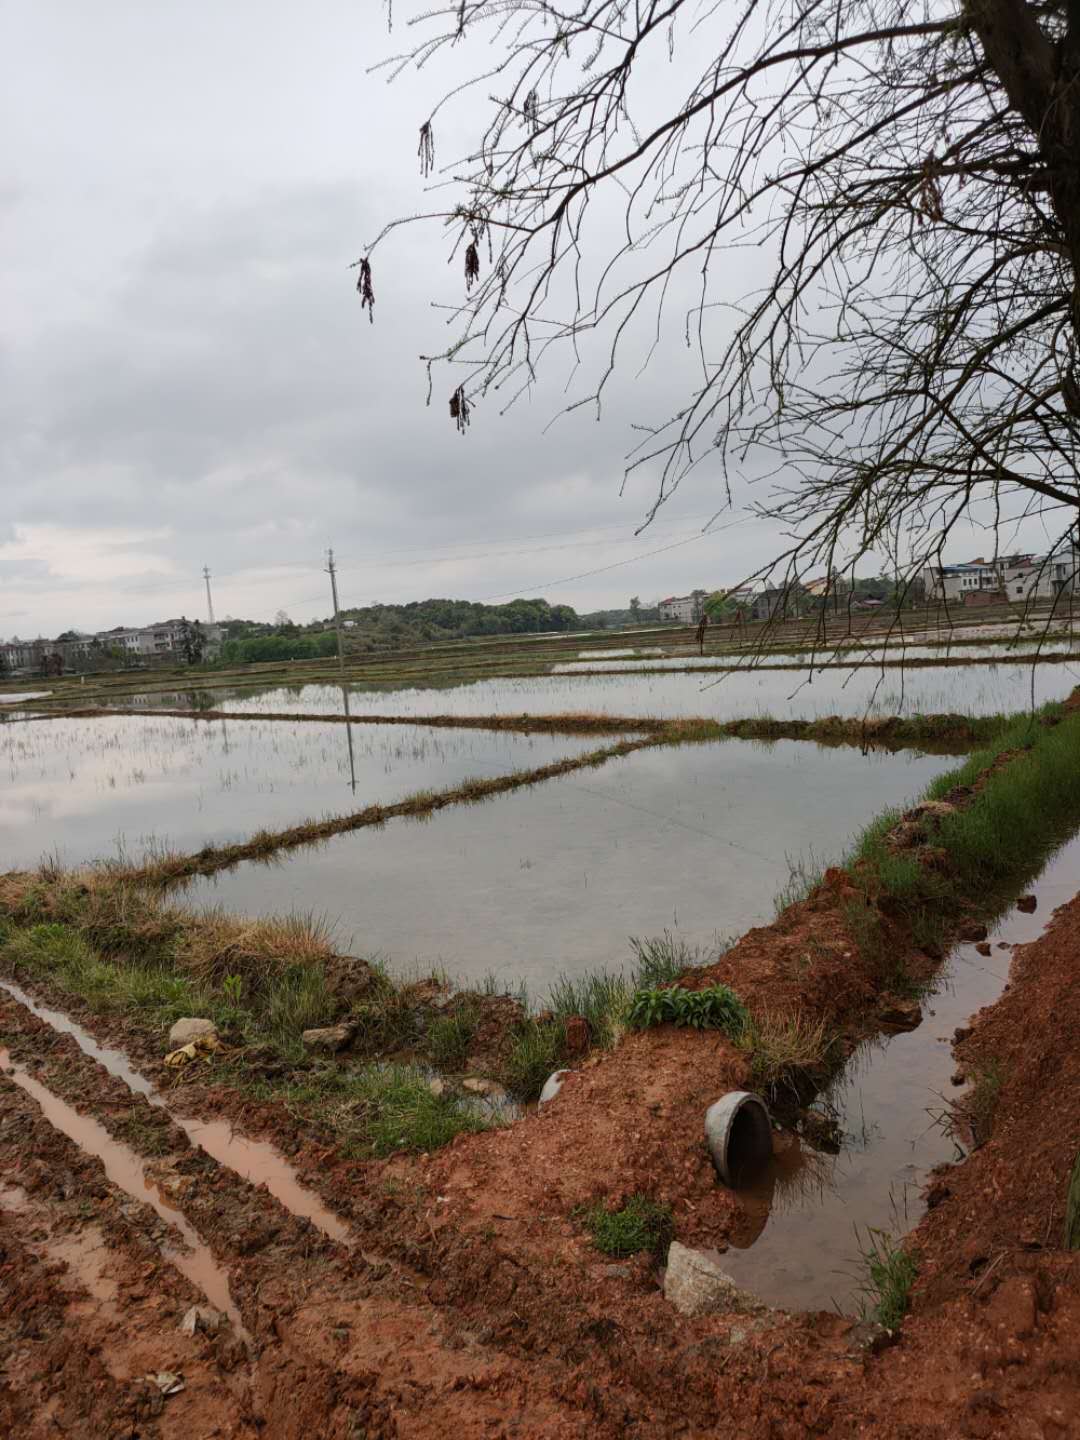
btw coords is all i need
(391, 627)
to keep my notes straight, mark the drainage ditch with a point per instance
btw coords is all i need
(807, 1220)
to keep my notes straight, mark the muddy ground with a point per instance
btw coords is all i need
(467, 1299)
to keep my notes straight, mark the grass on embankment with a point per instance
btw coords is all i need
(368, 1107)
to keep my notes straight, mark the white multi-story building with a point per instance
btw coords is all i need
(684, 608)
(1011, 577)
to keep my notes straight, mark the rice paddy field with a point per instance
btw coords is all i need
(519, 817)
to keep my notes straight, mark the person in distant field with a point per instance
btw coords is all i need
(703, 625)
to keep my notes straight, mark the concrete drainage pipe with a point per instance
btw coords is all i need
(738, 1133)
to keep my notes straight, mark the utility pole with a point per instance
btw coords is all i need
(332, 572)
(209, 597)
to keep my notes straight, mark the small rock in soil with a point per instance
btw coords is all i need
(696, 1285)
(867, 1337)
(201, 1319)
(901, 1014)
(438, 1088)
(552, 1086)
(983, 948)
(1027, 903)
(330, 1038)
(490, 1089)
(187, 1030)
(971, 933)
(576, 1040)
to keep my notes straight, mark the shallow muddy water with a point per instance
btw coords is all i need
(809, 1220)
(554, 878)
(93, 788)
(784, 694)
(253, 1160)
(124, 1168)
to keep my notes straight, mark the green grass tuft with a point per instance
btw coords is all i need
(401, 1113)
(537, 1050)
(890, 1274)
(641, 1224)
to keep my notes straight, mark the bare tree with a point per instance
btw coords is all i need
(912, 174)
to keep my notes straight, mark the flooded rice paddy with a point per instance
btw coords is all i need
(84, 789)
(746, 693)
(808, 1221)
(555, 878)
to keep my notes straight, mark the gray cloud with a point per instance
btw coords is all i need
(187, 376)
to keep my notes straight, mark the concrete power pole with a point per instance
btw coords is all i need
(209, 597)
(332, 572)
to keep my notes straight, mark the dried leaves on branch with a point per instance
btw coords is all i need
(864, 218)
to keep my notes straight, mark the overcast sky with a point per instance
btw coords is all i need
(187, 377)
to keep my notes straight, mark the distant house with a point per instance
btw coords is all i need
(687, 609)
(1006, 577)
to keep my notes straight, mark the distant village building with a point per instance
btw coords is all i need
(73, 650)
(1019, 577)
(687, 609)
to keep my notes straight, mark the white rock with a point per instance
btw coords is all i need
(696, 1285)
(552, 1086)
(187, 1030)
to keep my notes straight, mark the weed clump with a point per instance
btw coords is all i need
(641, 1224)
(890, 1274)
(717, 1007)
(786, 1048)
(537, 1050)
(399, 1111)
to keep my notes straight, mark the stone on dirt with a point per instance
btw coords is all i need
(438, 1088)
(490, 1089)
(552, 1086)
(972, 933)
(901, 1014)
(576, 1037)
(696, 1285)
(188, 1029)
(867, 1337)
(330, 1038)
(201, 1318)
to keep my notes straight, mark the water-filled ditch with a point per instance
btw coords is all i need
(810, 1217)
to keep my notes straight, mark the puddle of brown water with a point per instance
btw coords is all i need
(799, 1242)
(124, 1168)
(84, 1254)
(253, 1160)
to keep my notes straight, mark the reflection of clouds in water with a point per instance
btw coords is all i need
(781, 694)
(73, 784)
